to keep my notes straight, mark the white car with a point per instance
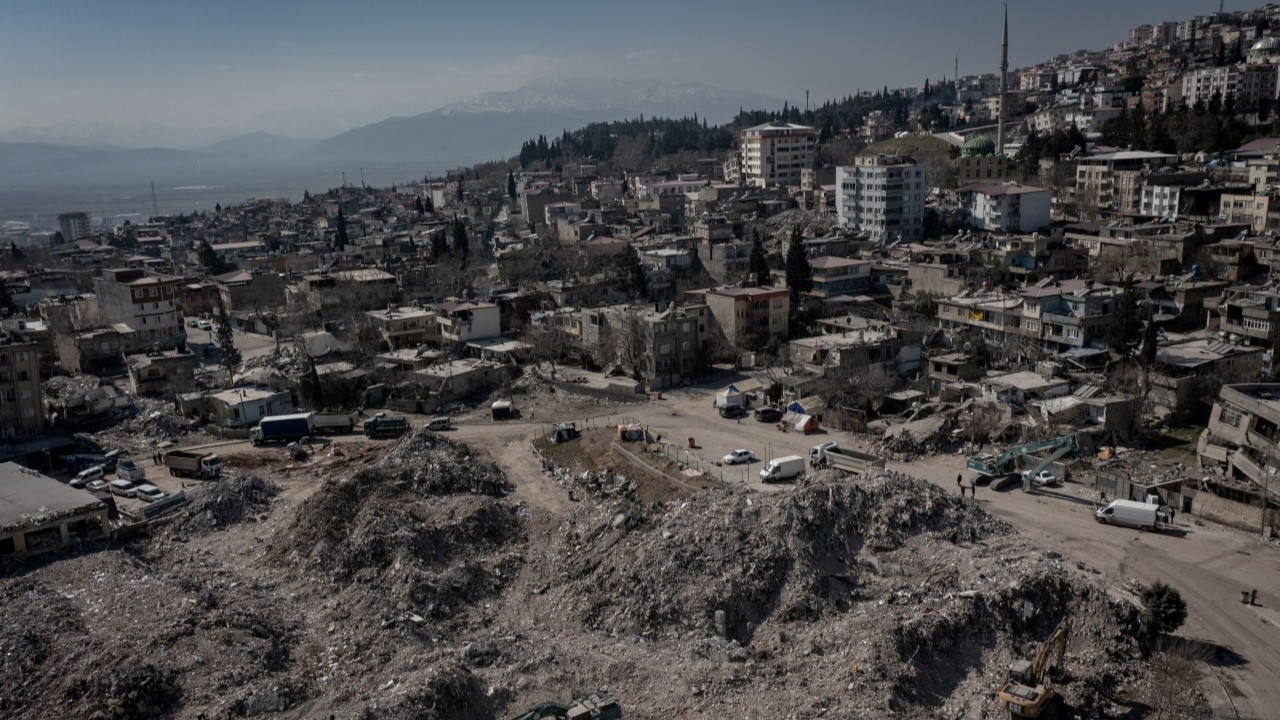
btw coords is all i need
(96, 485)
(123, 488)
(204, 325)
(738, 456)
(87, 476)
(149, 493)
(1041, 479)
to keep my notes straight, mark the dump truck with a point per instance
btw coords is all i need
(599, 705)
(332, 423)
(1029, 692)
(188, 463)
(830, 454)
(283, 428)
(381, 425)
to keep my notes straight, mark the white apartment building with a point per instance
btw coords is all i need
(1005, 206)
(774, 153)
(1161, 201)
(883, 197)
(1248, 83)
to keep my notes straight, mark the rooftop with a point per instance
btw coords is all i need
(27, 496)
(236, 396)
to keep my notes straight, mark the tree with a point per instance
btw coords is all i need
(57, 238)
(758, 262)
(511, 185)
(628, 274)
(799, 272)
(16, 252)
(1124, 327)
(1163, 610)
(217, 207)
(417, 206)
(427, 205)
(439, 245)
(213, 264)
(224, 336)
(340, 237)
(461, 243)
(1150, 343)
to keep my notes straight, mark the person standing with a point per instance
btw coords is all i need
(960, 483)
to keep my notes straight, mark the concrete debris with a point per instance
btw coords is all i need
(419, 586)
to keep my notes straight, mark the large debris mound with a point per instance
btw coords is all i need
(796, 557)
(218, 505)
(426, 530)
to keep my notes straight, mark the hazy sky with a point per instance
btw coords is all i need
(319, 67)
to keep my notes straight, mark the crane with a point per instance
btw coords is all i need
(1029, 692)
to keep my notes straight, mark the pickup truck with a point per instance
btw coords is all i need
(382, 426)
(283, 428)
(184, 463)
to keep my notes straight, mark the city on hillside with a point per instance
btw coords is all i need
(954, 400)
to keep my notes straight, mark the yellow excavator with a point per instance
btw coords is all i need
(1029, 693)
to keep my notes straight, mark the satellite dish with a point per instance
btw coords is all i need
(968, 346)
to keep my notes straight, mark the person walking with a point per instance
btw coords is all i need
(960, 483)
(973, 488)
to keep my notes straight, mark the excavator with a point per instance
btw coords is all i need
(1003, 464)
(1029, 693)
(599, 705)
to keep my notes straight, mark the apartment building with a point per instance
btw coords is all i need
(1250, 316)
(21, 408)
(1059, 315)
(463, 321)
(882, 196)
(774, 153)
(836, 276)
(761, 313)
(404, 327)
(1260, 211)
(1247, 83)
(73, 225)
(1005, 206)
(1112, 183)
(150, 305)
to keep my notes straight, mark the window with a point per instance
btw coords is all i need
(1231, 416)
(152, 292)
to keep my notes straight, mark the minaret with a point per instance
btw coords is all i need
(1004, 83)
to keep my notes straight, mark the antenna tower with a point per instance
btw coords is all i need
(155, 207)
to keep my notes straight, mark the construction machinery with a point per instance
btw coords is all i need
(1029, 693)
(1003, 464)
(599, 705)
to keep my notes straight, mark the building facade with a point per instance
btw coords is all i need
(774, 153)
(882, 196)
(150, 305)
(21, 407)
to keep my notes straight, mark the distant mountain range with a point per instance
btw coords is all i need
(488, 127)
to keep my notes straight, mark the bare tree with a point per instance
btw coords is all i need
(1177, 670)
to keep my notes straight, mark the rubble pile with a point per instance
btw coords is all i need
(603, 483)
(217, 506)
(418, 587)
(427, 531)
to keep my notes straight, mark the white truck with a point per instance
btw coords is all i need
(830, 454)
(1127, 513)
(333, 423)
(786, 467)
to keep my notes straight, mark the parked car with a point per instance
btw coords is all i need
(738, 456)
(123, 488)
(732, 411)
(96, 485)
(204, 325)
(193, 322)
(1042, 479)
(148, 492)
(87, 476)
(768, 414)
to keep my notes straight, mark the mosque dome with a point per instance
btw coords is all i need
(978, 146)
(1266, 45)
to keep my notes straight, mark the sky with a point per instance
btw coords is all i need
(314, 68)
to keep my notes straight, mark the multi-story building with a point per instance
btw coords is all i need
(1005, 206)
(21, 407)
(860, 344)
(73, 225)
(1112, 183)
(404, 327)
(774, 153)
(1264, 171)
(1250, 316)
(748, 312)
(148, 304)
(834, 276)
(883, 197)
(1246, 83)
(1260, 211)
(463, 321)
(1058, 315)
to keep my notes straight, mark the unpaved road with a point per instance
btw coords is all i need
(1208, 564)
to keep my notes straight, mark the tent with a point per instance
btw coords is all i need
(806, 424)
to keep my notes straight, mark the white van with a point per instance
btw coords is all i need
(1127, 513)
(87, 476)
(439, 423)
(783, 468)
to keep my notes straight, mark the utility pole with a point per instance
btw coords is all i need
(806, 101)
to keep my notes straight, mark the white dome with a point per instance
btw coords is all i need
(1266, 44)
